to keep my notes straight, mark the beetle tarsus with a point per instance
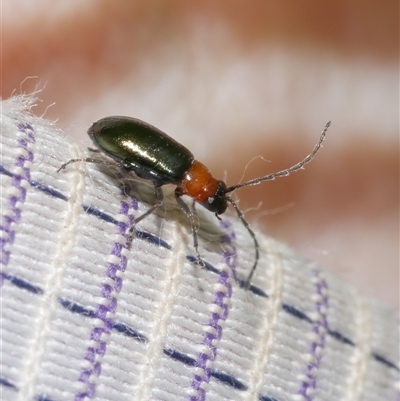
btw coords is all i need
(131, 234)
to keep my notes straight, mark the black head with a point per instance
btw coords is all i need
(217, 203)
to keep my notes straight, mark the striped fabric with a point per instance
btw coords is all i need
(85, 316)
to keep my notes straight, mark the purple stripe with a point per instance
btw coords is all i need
(225, 278)
(104, 310)
(320, 329)
(13, 215)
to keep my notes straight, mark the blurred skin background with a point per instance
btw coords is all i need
(233, 80)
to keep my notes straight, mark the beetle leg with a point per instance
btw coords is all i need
(87, 160)
(253, 235)
(159, 200)
(189, 213)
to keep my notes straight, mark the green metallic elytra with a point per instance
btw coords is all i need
(140, 147)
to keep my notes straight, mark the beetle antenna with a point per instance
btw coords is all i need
(287, 171)
(251, 232)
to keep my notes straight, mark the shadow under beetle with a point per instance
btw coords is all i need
(153, 155)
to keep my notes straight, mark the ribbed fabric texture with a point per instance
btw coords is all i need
(85, 316)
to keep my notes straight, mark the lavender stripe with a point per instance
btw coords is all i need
(320, 329)
(102, 312)
(11, 219)
(203, 360)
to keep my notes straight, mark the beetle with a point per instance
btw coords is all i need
(151, 154)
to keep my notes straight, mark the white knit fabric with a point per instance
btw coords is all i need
(86, 317)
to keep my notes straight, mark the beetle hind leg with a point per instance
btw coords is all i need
(87, 160)
(159, 200)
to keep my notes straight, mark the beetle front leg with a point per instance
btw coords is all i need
(190, 215)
